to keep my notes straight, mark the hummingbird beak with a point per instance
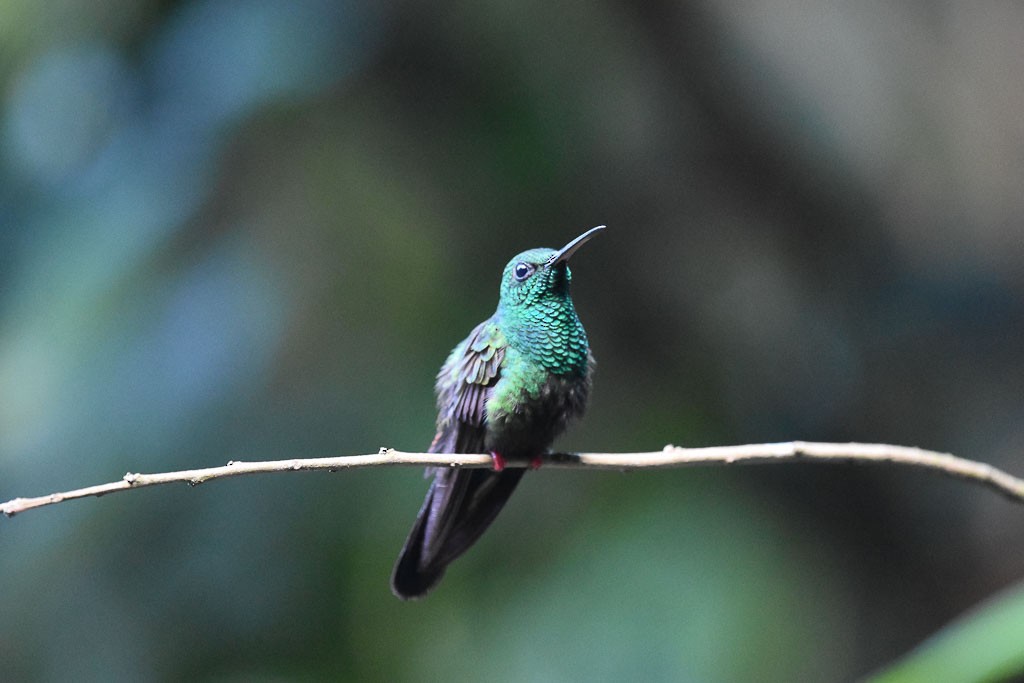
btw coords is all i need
(568, 250)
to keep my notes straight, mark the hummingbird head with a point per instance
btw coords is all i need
(540, 275)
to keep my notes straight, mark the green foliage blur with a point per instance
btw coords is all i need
(245, 229)
(984, 645)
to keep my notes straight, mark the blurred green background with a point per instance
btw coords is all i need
(245, 229)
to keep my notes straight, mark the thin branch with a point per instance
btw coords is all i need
(670, 456)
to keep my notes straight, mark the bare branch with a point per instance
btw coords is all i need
(670, 456)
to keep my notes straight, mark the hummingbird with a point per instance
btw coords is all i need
(507, 389)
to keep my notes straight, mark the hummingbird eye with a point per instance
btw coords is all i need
(522, 271)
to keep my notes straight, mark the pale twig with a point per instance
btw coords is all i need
(670, 456)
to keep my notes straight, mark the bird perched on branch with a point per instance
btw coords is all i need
(508, 389)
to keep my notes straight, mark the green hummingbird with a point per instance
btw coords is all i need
(508, 389)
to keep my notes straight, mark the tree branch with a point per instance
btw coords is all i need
(671, 456)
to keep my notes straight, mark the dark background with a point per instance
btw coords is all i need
(246, 229)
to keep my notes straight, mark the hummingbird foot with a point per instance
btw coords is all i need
(497, 461)
(536, 461)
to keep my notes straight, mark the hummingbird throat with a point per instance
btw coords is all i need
(549, 334)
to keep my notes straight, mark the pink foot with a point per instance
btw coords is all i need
(535, 462)
(497, 461)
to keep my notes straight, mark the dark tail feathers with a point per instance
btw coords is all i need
(459, 506)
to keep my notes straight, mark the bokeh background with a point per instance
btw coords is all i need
(246, 229)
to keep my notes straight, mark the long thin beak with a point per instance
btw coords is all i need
(568, 250)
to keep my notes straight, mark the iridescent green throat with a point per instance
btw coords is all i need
(542, 325)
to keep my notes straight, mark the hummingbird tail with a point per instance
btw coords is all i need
(459, 507)
(410, 581)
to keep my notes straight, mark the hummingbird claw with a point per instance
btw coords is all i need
(498, 461)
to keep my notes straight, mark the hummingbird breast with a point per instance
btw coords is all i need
(531, 405)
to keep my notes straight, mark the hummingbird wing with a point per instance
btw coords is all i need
(461, 503)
